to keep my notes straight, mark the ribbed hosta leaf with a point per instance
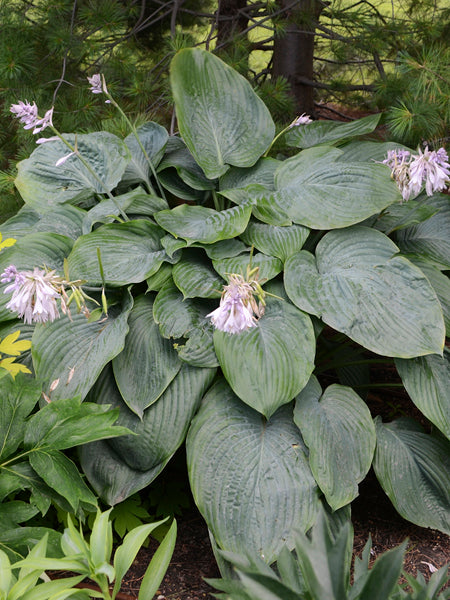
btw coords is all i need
(75, 351)
(148, 362)
(194, 276)
(221, 119)
(430, 239)
(179, 158)
(275, 241)
(426, 380)
(413, 469)
(269, 266)
(64, 219)
(250, 477)
(205, 225)
(176, 316)
(130, 252)
(198, 350)
(324, 132)
(266, 207)
(317, 191)
(440, 282)
(30, 251)
(339, 432)
(268, 365)
(42, 184)
(262, 172)
(153, 138)
(359, 285)
(134, 202)
(117, 470)
(368, 151)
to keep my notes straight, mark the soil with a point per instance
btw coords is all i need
(372, 512)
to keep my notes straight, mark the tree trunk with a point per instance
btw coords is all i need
(230, 20)
(293, 52)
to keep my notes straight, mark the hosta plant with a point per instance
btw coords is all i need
(241, 296)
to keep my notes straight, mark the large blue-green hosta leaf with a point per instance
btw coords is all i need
(314, 189)
(339, 432)
(414, 471)
(64, 219)
(275, 241)
(430, 240)
(118, 468)
(153, 138)
(204, 225)
(326, 132)
(130, 252)
(33, 250)
(359, 285)
(426, 380)
(250, 477)
(221, 119)
(148, 362)
(42, 184)
(269, 364)
(75, 351)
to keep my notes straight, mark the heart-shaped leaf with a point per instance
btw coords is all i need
(205, 225)
(148, 362)
(194, 276)
(275, 241)
(413, 469)
(316, 190)
(75, 351)
(250, 477)
(324, 132)
(42, 184)
(221, 119)
(340, 435)
(430, 239)
(426, 380)
(129, 252)
(268, 365)
(359, 285)
(153, 139)
(118, 468)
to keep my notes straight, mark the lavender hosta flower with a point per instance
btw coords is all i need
(233, 315)
(431, 167)
(411, 172)
(303, 119)
(28, 115)
(33, 294)
(96, 83)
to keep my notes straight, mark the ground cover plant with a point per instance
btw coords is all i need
(208, 282)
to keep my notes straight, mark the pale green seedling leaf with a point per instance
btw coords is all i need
(159, 564)
(101, 539)
(127, 551)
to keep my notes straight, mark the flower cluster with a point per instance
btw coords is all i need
(98, 85)
(238, 309)
(303, 119)
(28, 115)
(430, 167)
(34, 294)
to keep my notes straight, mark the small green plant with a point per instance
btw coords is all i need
(320, 570)
(90, 560)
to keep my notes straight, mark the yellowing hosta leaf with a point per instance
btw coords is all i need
(10, 345)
